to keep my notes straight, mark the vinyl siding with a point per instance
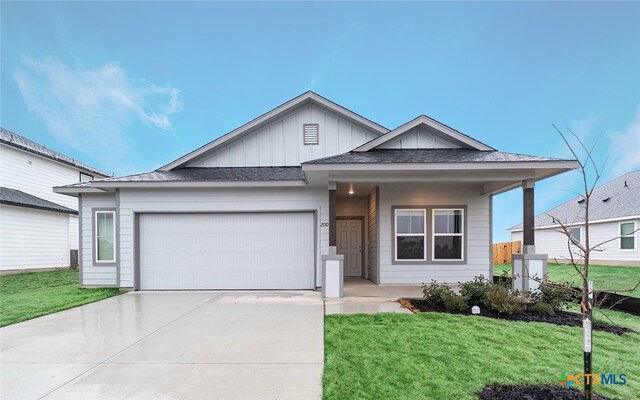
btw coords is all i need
(92, 273)
(280, 143)
(418, 138)
(372, 234)
(477, 232)
(553, 242)
(38, 177)
(34, 238)
(133, 201)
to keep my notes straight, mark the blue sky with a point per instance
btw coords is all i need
(128, 87)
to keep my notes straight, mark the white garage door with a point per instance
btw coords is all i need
(227, 251)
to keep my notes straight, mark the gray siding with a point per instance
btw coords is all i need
(372, 237)
(477, 232)
(217, 200)
(92, 274)
(280, 143)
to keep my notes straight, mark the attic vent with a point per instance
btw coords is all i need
(607, 199)
(310, 133)
(581, 201)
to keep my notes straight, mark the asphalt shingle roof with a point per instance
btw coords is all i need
(18, 198)
(239, 174)
(622, 197)
(406, 156)
(13, 139)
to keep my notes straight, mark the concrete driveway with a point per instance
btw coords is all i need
(170, 345)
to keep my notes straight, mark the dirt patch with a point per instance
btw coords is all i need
(532, 392)
(563, 318)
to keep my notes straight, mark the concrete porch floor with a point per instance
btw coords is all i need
(361, 296)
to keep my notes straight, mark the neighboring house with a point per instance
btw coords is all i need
(39, 227)
(614, 213)
(258, 207)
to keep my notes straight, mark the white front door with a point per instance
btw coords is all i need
(349, 237)
(227, 251)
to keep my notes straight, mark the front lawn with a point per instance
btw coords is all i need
(604, 277)
(445, 356)
(33, 294)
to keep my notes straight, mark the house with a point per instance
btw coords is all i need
(614, 216)
(258, 207)
(39, 227)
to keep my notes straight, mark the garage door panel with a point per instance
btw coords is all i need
(227, 251)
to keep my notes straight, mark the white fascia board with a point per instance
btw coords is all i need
(522, 165)
(424, 120)
(597, 221)
(115, 184)
(265, 118)
(73, 192)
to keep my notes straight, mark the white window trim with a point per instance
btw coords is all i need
(423, 234)
(581, 232)
(633, 235)
(89, 175)
(434, 234)
(95, 238)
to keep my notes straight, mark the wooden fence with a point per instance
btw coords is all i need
(502, 251)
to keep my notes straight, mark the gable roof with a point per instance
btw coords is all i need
(426, 156)
(430, 123)
(271, 115)
(20, 142)
(617, 198)
(19, 198)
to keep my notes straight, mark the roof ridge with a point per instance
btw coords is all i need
(9, 137)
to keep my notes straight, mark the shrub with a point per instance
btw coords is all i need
(455, 302)
(441, 295)
(504, 300)
(542, 308)
(474, 292)
(552, 297)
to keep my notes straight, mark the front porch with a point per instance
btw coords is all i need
(386, 239)
(361, 296)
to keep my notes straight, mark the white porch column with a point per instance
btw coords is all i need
(332, 263)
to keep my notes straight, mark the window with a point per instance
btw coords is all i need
(627, 236)
(105, 236)
(85, 177)
(576, 233)
(410, 235)
(310, 133)
(448, 235)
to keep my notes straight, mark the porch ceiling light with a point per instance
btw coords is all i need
(351, 191)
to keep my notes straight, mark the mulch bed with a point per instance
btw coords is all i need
(532, 392)
(563, 318)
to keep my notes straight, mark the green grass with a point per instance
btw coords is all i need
(445, 356)
(30, 295)
(604, 277)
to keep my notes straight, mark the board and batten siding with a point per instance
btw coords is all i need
(36, 175)
(553, 242)
(34, 238)
(477, 227)
(132, 201)
(418, 138)
(281, 142)
(93, 274)
(372, 235)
